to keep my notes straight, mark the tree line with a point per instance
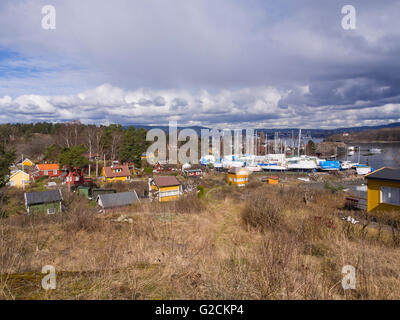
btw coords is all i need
(44, 141)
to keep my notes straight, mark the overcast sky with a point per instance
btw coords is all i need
(234, 63)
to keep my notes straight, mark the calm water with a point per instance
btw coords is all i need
(390, 156)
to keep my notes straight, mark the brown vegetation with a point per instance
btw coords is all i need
(263, 242)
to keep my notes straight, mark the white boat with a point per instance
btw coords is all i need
(301, 164)
(363, 170)
(254, 168)
(347, 164)
(375, 150)
(272, 167)
(351, 149)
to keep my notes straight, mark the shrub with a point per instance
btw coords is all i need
(262, 212)
(148, 170)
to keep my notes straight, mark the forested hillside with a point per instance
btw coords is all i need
(44, 141)
(380, 135)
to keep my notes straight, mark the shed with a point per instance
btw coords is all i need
(49, 202)
(84, 191)
(117, 200)
(97, 192)
(383, 191)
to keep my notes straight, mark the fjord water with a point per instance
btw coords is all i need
(390, 156)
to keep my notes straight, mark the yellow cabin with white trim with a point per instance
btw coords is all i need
(238, 176)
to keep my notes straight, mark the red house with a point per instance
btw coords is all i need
(75, 177)
(47, 169)
(193, 173)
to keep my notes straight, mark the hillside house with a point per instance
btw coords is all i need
(47, 169)
(25, 162)
(45, 202)
(164, 167)
(193, 172)
(383, 190)
(164, 188)
(116, 173)
(19, 179)
(238, 176)
(116, 200)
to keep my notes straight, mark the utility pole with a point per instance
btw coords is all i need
(298, 151)
(23, 181)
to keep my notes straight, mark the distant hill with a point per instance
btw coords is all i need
(287, 133)
(388, 134)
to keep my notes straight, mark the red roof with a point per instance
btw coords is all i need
(166, 181)
(123, 173)
(48, 166)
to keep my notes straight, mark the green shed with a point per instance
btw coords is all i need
(84, 191)
(47, 202)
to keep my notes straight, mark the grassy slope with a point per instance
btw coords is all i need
(202, 249)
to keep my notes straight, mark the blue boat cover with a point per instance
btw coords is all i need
(330, 165)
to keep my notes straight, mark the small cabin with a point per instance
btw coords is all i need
(116, 200)
(238, 176)
(43, 202)
(193, 173)
(273, 180)
(164, 188)
(383, 190)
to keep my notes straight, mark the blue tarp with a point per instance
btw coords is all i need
(330, 165)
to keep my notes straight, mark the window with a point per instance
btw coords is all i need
(51, 210)
(169, 193)
(76, 178)
(390, 195)
(54, 172)
(46, 173)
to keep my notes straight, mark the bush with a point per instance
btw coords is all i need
(148, 170)
(262, 212)
(201, 191)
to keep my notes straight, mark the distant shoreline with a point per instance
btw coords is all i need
(383, 142)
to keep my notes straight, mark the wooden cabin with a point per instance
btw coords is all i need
(238, 176)
(164, 188)
(383, 191)
(43, 202)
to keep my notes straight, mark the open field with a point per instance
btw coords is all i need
(258, 242)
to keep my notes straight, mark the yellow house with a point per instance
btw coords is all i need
(19, 179)
(116, 173)
(383, 190)
(165, 188)
(25, 162)
(238, 176)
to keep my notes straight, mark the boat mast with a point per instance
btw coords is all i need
(298, 151)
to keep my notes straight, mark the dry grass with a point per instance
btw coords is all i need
(264, 242)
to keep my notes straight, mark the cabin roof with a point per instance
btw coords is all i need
(166, 181)
(124, 171)
(120, 199)
(390, 174)
(236, 170)
(43, 197)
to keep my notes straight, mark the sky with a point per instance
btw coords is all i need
(225, 63)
